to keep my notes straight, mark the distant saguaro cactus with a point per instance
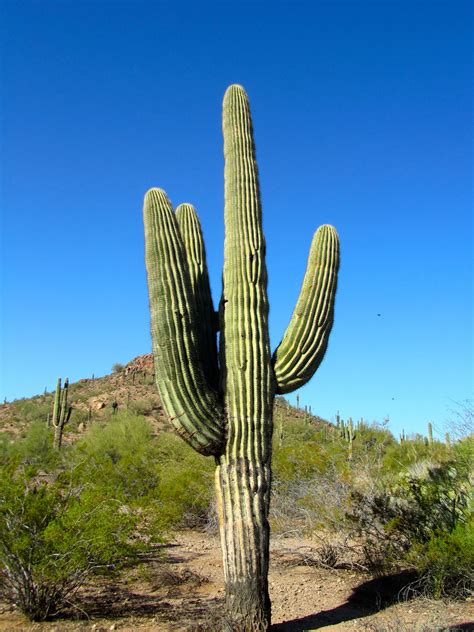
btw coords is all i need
(222, 404)
(61, 413)
(430, 433)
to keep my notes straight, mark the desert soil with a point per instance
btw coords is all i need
(181, 588)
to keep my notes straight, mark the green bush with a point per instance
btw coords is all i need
(53, 535)
(446, 563)
(120, 459)
(186, 484)
(142, 406)
(427, 501)
(36, 448)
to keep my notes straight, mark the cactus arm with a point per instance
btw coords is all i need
(56, 405)
(306, 338)
(193, 407)
(64, 414)
(191, 234)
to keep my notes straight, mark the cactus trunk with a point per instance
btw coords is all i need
(243, 503)
(243, 474)
(224, 408)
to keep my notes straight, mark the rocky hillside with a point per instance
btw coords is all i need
(130, 387)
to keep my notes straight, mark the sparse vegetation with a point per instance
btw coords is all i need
(54, 533)
(394, 505)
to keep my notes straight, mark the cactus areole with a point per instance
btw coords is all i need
(220, 401)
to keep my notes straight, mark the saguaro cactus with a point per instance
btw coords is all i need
(222, 404)
(61, 412)
(430, 433)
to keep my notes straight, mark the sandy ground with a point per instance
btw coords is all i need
(182, 589)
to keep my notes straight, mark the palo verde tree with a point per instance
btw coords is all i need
(221, 403)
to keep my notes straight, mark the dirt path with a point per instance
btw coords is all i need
(183, 590)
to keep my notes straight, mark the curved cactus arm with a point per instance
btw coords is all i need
(191, 234)
(57, 404)
(305, 340)
(193, 407)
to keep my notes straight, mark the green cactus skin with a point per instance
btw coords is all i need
(193, 407)
(224, 408)
(190, 228)
(430, 433)
(305, 341)
(61, 413)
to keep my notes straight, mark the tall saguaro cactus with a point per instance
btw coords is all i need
(61, 413)
(221, 403)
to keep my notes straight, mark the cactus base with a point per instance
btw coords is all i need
(242, 491)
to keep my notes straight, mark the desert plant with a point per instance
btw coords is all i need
(61, 412)
(120, 459)
(35, 447)
(445, 563)
(224, 409)
(426, 500)
(53, 535)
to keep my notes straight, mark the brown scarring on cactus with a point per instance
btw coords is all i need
(224, 407)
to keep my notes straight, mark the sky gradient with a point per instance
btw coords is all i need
(363, 119)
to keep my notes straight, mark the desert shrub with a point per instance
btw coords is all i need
(399, 456)
(55, 534)
(142, 406)
(117, 367)
(306, 506)
(297, 461)
(445, 563)
(426, 499)
(27, 411)
(34, 448)
(168, 481)
(120, 458)
(186, 484)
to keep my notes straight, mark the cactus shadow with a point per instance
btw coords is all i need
(366, 599)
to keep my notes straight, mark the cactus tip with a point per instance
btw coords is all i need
(155, 193)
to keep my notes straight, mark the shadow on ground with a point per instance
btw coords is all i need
(366, 599)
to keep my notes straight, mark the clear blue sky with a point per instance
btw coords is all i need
(363, 119)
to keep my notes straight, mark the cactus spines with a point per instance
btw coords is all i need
(224, 408)
(61, 412)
